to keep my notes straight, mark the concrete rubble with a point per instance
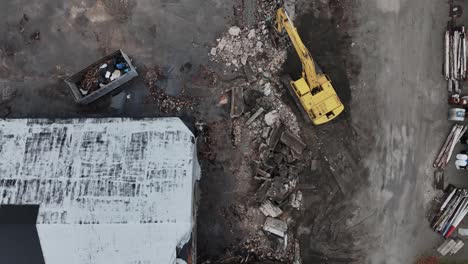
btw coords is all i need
(275, 226)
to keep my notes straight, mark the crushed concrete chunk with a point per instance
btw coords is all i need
(275, 136)
(296, 200)
(275, 226)
(271, 118)
(234, 31)
(251, 34)
(269, 209)
(213, 51)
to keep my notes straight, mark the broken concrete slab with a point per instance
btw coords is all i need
(293, 142)
(237, 102)
(266, 132)
(249, 73)
(275, 226)
(275, 136)
(260, 195)
(255, 116)
(269, 209)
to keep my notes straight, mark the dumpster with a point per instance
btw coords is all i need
(101, 77)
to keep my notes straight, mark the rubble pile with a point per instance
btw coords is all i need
(277, 164)
(252, 52)
(166, 103)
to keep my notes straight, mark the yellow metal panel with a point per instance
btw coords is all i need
(302, 87)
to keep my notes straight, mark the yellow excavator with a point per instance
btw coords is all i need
(313, 91)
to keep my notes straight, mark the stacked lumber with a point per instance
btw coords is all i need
(452, 212)
(446, 151)
(455, 63)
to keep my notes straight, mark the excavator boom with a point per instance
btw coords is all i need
(314, 90)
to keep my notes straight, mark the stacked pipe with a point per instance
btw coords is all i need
(446, 151)
(452, 212)
(455, 64)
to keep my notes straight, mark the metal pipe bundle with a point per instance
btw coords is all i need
(455, 62)
(446, 151)
(452, 212)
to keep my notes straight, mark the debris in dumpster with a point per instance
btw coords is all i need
(446, 151)
(102, 74)
(452, 212)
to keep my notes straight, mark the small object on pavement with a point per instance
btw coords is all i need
(36, 35)
(108, 74)
(103, 66)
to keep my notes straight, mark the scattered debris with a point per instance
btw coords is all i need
(275, 226)
(439, 179)
(237, 102)
(166, 103)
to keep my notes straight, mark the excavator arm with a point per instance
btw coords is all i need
(309, 72)
(313, 92)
